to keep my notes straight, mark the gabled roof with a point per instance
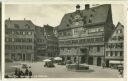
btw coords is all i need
(21, 24)
(117, 26)
(98, 15)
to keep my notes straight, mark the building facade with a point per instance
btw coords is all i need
(46, 42)
(40, 43)
(25, 41)
(82, 34)
(19, 40)
(114, 52)
(51, 41)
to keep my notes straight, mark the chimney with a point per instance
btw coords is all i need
(87, 6)
(9, 18)
(24, 19)
(77, 7)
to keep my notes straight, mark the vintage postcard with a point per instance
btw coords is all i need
(64, 40)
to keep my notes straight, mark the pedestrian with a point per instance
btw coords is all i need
(121, 72)
(30, 74)
(16, 72)
(46, 64)
(103, 65)
(22, 73)
(19, 74)
(26, 72)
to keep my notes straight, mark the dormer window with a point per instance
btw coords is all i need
(90, 21)
(27, 26)
(16, 26)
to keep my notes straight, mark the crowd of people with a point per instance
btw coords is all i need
(20, 73)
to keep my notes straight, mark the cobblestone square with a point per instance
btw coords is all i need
(60, 71)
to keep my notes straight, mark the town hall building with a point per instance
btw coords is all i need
(82, 34)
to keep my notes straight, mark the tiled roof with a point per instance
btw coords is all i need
(97, 14)
(118, 26)
(21, 24)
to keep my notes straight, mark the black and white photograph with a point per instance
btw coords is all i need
(64, 40)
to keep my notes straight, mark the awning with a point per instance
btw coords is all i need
(47, 60)
(115, 62)
(57, 58)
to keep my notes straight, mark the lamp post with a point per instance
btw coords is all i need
(78, 64)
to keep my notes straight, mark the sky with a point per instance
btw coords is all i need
(42, 14)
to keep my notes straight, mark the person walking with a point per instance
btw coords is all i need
(103, 65)
(16, 72)
(22, 74)
(19, 74)
(30, 74)
(26, 72)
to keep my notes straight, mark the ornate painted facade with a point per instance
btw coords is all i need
(82, 34)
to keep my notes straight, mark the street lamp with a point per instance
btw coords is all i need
(78, 63)
(78, 59)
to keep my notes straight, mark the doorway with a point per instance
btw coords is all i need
(107, 63)
(90, 60)
(98, 61)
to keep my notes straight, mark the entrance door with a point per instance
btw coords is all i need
(107, 63)
(90, 60)
(98, 61)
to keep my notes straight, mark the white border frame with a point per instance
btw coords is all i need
(65, 79)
